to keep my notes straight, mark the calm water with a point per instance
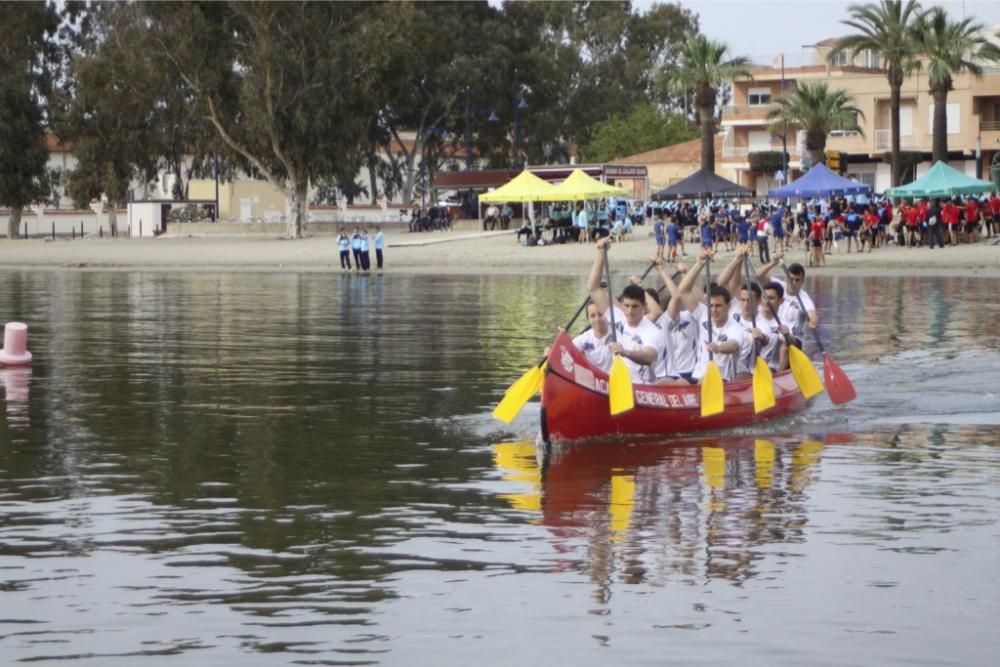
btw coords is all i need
(230, 469)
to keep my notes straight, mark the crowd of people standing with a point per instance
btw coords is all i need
(823, 227)
(359, 244)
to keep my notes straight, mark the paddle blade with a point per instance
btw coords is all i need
(620, 387)
(763, 386)
(838, 385)
(712, 393)
(519, 393)
(805, 373)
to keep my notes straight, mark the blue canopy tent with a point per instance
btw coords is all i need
(819, 182)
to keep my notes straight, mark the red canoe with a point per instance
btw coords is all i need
(575, 402)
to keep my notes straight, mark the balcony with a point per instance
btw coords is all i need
(989, 133)
(755, 114)
(883, 140)
(735, 151)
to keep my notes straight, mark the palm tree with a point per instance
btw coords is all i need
(950, 48)
(705, 67)
(817, 110)
(886, 29)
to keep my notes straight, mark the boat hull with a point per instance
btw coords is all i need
(575, 403)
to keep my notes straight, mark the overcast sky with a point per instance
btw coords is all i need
(761, 27)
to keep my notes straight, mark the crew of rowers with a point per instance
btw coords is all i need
(670, 341)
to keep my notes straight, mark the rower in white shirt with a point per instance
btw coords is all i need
(726, 337)
(679, 325)
(798, 275)
(593, 342)
(639, 342)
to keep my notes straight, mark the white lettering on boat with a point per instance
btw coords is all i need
(654, 399)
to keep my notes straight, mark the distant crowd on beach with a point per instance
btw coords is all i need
(823, 226)
(357, 245)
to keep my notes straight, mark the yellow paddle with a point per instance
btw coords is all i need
(802, 369)
(530, 382)
(520, 393)
(839, 387)
(620, 396)
(805, 373)
(763, 381)
(712, 393)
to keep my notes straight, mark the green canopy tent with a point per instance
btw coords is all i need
(942, 181)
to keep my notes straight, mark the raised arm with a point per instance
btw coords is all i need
(688, 298)
(599, 295)
(730, 276)
(766, 268)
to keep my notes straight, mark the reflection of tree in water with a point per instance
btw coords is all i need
(658, 514)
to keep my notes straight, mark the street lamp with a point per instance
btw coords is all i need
(519, 104)
(469, 110)
(784, 130)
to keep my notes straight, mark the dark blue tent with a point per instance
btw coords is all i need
(819, 182)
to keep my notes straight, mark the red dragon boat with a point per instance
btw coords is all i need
(575, 403)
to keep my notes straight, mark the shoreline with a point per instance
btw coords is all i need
(447, 253)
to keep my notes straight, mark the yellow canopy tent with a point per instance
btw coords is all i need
(523, 187)
(579, 186)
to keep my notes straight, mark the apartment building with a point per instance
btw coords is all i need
(973, 118)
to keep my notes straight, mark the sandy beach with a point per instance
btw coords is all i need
(454, 252)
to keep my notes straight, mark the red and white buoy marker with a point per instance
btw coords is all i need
(15, 345)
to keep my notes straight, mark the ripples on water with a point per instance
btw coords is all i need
(280, 469)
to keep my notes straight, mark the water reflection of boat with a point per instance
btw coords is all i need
(575, 403)
(695, 507)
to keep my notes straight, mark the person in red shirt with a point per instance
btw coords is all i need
(949, 217)
(972, 218)
(817, 232)
(870, 228)
(911, 216)
(994, 224)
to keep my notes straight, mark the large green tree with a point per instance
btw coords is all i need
(27, 48)
(950, 47)
(885, 29)
(815, 108)
(423, 81)
(583, 63)
(644, 129)
(705, 65)
(288, 86)
(111, 110)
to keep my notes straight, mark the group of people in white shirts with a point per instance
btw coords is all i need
(671, 340)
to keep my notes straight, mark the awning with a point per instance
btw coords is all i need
(703, 185)
(579, 186)
(942, 181)
(819, 182)
(524, 187)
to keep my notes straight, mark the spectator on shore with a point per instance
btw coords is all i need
(972, 218)
(379, 245)
(356, 248)
(344, 244)
(934, 225)
(364, 252)
(993, 210)
(581, 222)
(506, 215)
(492, 217)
